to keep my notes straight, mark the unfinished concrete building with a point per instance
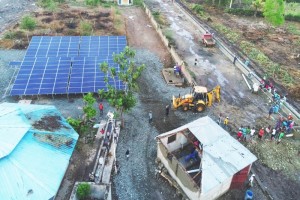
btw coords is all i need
(204, 159)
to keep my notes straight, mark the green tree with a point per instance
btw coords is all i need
(122, 100)
(83, 190)
(88, 108)
(258, 5)
(28, 23)
(274, 12)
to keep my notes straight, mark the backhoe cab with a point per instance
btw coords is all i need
(198, 99)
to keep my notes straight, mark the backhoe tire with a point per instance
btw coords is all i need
(185, 107)
(200, 107)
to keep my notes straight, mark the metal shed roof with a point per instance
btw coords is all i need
(34, 159)
(223, 156)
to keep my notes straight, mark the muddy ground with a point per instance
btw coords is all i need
(136, 178)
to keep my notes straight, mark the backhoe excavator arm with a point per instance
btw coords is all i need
(214, 95)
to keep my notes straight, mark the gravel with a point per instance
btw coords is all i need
(6, 70)
(136, 179)
(12, 10)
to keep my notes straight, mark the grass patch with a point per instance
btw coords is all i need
(10, 35)
(107, 4)
(138, 3)
(85, 28)
(292, 8)
(92, 2)
(293, 29)
(159, 18)
(169, 35)
(230, 35)
(118, 21)
(282, 157)
(198, 9)
(28, 23)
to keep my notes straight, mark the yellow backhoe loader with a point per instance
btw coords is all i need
(198, 99)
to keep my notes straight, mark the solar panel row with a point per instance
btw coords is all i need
(80, 46)
(52, 65)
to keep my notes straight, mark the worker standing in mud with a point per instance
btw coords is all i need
(150, 117)
(234, 59)
(167, 110)
(101, 109)
(226, 121)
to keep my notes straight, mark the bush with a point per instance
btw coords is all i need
(10, 35)
(85, 28)
(138, 2)
(50, 4)
(292, 17)
(197, 8)
(28, 23)
(92, 2)
(75, 123)
(243, 12)
(249, 12)
(83, 190)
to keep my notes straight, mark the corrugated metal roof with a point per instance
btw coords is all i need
(35, 167)
(15, 123)
(223, 156)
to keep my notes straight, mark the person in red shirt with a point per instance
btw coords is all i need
(261, 133)
(239, 135)
(101, 108)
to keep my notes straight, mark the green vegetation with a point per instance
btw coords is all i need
(274, 12)
(50, 5)
(28, 23)
(85, 28)
(169, 35)
(83, 191)
(292, 9)
(272, 69)
(75, 123)
(129, 74)
(230, 35)
(138, 2)
(197, 9)
(293, 29)
(159, 18)
(258, 5)
(89, 109)
(92, 2)
(10, 35)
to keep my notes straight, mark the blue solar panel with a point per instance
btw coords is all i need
(70, 64)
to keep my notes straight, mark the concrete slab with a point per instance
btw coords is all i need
(171, 78)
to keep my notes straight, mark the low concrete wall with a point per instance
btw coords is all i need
(175, 56)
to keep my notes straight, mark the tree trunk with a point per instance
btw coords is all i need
(230, 3)
(255, 13)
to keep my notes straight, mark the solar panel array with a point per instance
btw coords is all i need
(64, 65)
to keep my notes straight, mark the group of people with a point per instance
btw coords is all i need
(282, 127)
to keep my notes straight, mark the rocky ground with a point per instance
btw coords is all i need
(136, 179)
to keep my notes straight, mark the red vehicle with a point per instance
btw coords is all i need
(207, 40)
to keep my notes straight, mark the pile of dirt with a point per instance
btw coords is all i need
(67, 21)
